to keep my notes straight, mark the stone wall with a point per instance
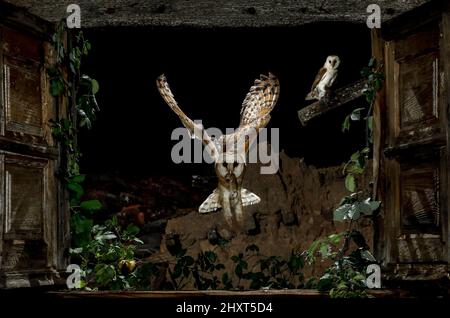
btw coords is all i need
(296, 208)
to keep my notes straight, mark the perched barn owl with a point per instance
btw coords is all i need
(324, 78)
(228, 151)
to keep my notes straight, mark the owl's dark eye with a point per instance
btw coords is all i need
(235, 164)
(224, 164)
(329, 62)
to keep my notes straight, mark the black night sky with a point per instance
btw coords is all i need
(210, 72)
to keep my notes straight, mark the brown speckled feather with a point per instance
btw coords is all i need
(318, 78)
(257, 105)
(194, 129)
(260, 100)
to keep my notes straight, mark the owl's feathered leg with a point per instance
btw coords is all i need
(238, 210)
(227, 202)
(226, 208)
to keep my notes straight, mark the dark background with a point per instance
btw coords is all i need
(210, 72)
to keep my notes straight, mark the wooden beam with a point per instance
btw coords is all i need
(410, 21)
(297, 293)
(17, 146)
(212, 13)
(337, 98)
(20, 19)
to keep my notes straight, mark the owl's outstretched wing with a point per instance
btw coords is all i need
(193, 128)
(257, 105)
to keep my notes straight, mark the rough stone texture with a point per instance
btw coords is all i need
(212, 13)
(296, 208)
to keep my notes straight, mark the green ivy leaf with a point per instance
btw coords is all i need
(105, 236)
(346, 124)
(238, 271)
(104, 274)
(325, 283)
(211, 256)
(312, 248)
(76, 188)
(132, 230)
(81, 230)
(374, 205)
(354, 169)
(78, 179)
(350, 183)
(359, 277)
(177, 271)
(219, 267)
(295, 262)
(362, 208)
(95, 86)
(188, 260)
(366, 71)
(91, 205)
(377, 85)
(365, 254)
(370, 123)
(355, 156)
(335, 238)
(324, 250)
(56, 87)
(356, 114)
(354, 213)
(226, 280)
(340, 214)
(136, 240)
(75, 251)
(252, 247)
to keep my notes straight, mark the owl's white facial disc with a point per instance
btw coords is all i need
(332, 62)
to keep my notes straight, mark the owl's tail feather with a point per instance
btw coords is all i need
(249, 198)
(212, 203)
(311, 95)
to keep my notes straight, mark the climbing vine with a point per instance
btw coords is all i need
(346, 276)
(105, 252)
(77, 91)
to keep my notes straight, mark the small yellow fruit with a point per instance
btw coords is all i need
(131, 265)
(127, 266)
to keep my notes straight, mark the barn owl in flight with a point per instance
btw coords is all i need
(229, 151)
(324, 78)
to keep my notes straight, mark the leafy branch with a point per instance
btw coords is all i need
(345, 278)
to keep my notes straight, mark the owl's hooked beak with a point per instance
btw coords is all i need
(230, 177)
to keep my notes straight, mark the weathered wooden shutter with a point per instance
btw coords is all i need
(33, 231)
(413, 143)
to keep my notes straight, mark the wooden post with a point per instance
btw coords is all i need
(445, 60)
(378, 137)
